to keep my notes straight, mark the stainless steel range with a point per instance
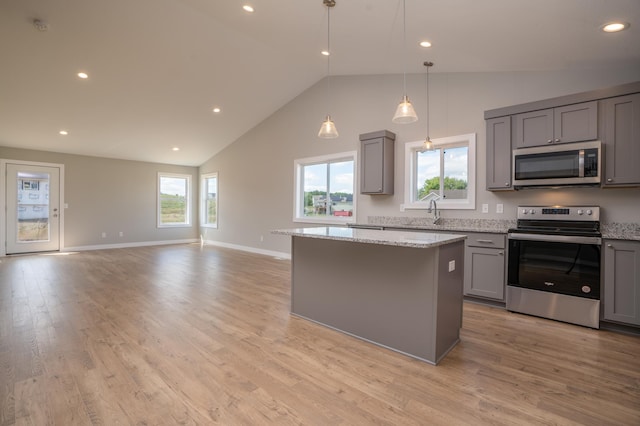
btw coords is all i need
(554, 264)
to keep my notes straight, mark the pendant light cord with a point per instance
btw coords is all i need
(328, 58)
(428, 65)
(404, 44)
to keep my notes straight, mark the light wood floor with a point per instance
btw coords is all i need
(184, 335)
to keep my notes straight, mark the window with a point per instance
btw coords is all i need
(209, 200)
(324, 189)
(446, 174)
(173, 200)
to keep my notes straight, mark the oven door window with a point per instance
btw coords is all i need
(565, 164)
(566, 268)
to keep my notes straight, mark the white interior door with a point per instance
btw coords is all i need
(33, 208)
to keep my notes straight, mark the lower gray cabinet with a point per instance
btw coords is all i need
(622, 281)
(485, 265)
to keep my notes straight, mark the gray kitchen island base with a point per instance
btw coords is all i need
(402, 298)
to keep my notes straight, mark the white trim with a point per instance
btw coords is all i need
(3, 199)
(298, 189)
(409, 174)
(129, 245)
(188, 194)
(203, 197)
(271, 253)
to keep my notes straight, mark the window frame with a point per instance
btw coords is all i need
(187, 223)
(203, 199)
(298, 187)
(411, 148)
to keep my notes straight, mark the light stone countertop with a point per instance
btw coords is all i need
(611, 230)
(373, 236)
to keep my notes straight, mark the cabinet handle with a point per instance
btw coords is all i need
(557, 140)
(609, 180)
(549, 140)
(501, 253)
(609, 245)
(485, 241)
(506, 184)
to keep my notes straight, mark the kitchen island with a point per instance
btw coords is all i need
(399, 290)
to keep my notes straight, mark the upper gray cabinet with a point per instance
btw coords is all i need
(499, 154)
(621, 140)
(376, 162)
(571, 123)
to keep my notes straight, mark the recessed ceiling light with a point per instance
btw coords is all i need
(175, 148)
(614, 27)
(216, 110)
(83, 75)
(247, 8)
(425, 43)
(325, 52)
(63, 132)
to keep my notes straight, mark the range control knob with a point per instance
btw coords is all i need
(524, 211)
(589, 212)
(580, 212)
(586, 289)
(531, 211)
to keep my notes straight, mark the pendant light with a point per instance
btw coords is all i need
(405, 113)
(328, 128)
(428, 145)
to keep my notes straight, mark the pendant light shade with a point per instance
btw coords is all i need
(427, 145)
(328, 128)
(405, 113)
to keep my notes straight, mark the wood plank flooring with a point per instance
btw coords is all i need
(189, 335)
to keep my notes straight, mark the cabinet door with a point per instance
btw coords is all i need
(499, 154)
(534, 128)
(574, 123)
(484, 272)
(622, 281)
(372, 166)
(621, 140)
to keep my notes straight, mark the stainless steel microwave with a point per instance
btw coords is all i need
(558, 165)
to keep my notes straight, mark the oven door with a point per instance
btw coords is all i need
(555, 263)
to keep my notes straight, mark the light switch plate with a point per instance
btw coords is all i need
(452, 265)
(485, 208)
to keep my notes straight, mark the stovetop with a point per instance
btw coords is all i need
(559, 220)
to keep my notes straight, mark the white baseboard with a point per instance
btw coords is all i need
(271, 253)
(128, 245)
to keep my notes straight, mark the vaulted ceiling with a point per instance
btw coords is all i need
(157, 68)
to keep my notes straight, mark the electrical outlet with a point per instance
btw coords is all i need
(485, 208)
(452, 265)
(104, 235)
(121, 234)
(261, 238)
(499, 208)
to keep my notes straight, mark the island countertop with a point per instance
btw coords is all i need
(374, 236)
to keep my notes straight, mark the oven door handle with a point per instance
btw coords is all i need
(556, 238)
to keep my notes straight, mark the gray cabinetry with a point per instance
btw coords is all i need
(485, 265)
(377, 160)
(499, 154)
(620, 125)
(622, 281)
(570, 123)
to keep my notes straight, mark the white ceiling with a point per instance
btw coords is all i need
(157, 67)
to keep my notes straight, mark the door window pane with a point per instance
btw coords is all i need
(33, 207)
(325, 188)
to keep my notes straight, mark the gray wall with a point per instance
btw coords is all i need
(256, 171)
(109, 195)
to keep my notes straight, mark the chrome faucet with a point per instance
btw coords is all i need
(433, 207)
